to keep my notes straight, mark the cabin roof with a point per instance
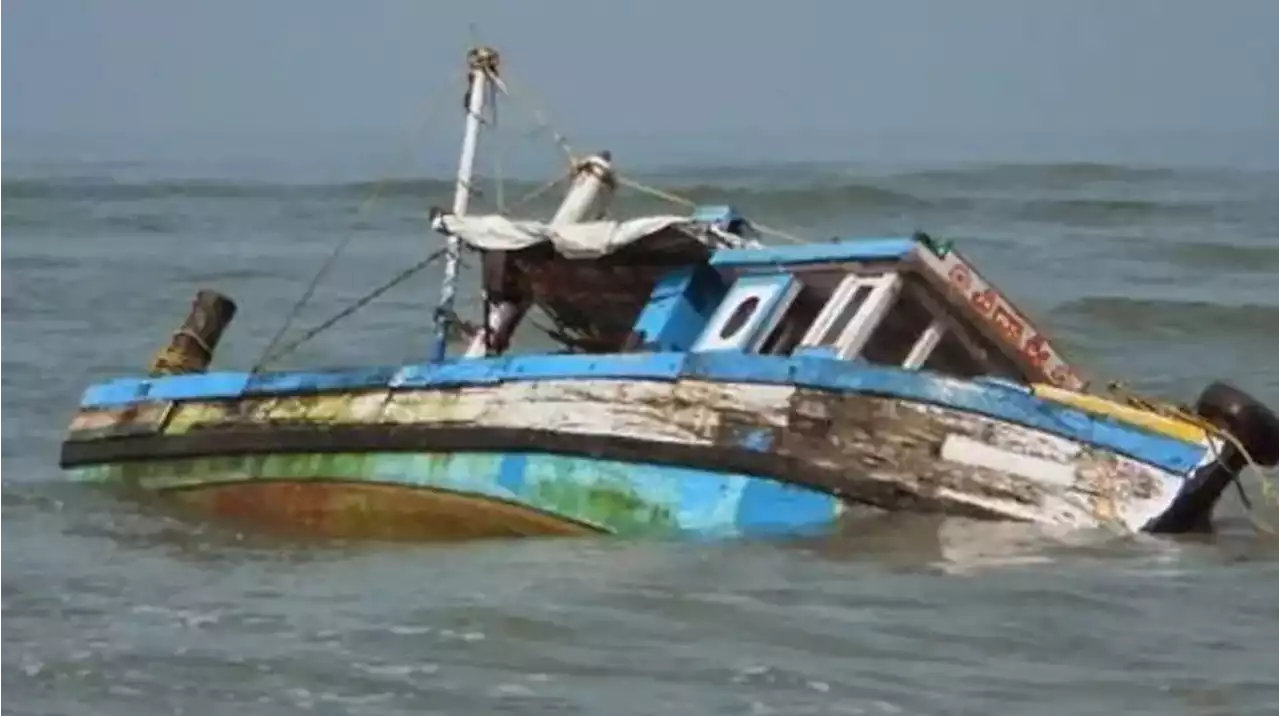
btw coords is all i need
(842, 250)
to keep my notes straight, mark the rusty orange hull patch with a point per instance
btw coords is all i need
(371, 511)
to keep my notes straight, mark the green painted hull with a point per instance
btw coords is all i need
(467, 495)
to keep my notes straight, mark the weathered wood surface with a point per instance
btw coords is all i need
(191, 347)
(595, 303)
(885, 452)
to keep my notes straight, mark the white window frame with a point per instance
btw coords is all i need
(850, 342)
(932, 335)
(925, 344)
(775, 292)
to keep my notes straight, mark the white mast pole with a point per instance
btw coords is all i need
(481, 61)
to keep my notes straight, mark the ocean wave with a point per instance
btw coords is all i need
(1258, 256)
(1161, 317)
(812, 197)
(1100, 211)
(1046, 173)
(815, 197)
(1049, 193)
(100, 189)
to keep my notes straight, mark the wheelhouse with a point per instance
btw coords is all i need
(870, 299)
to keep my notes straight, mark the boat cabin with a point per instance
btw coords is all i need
(702, 283)
(886, 301)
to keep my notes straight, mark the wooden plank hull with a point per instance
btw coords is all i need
(656, 438)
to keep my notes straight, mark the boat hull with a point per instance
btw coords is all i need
(668, 428)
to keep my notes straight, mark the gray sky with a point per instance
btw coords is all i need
(647, 66)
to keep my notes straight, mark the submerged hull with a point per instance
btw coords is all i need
(625, 444)
(468, 495)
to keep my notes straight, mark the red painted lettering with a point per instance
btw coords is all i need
(1036, 350)
(984, 301)
(1008, 324)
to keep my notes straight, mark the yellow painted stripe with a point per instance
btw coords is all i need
(1173, 427)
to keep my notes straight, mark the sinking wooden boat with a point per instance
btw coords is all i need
(710, 384)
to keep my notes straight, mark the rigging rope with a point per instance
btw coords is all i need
(535, 193)
(540, 117)
(359, 304)
(364, 206)
(562, 142)
(500, 195)
(688, 203)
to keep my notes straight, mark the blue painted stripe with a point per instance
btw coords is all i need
(869, 249)
(199, 386)
(986, 398)
(451, 373)
(119, 391)
(636, 366)
(319, 381)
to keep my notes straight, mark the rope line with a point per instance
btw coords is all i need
(535, 193)
(359, 304)
(170, 359)
(1170, 410)
(689, 203)
(363, 207)
(539, 116)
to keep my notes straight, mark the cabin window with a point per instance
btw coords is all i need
(854, 311)
(915, 333)
(739, 317)
(795, 321)
(900, 332)
(925, 345)
(954, 356)
(748, 314)
(888, 321)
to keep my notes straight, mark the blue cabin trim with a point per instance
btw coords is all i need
(681, 304)
(982, 397)
(747, 313)
(886, 249)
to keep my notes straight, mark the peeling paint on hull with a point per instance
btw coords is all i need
(475, 495)
(961, 448)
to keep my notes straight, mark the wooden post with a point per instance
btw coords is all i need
(191, 347)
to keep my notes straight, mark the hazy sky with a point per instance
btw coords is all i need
(651, 64)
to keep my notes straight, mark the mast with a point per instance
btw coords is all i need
(481, 62)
